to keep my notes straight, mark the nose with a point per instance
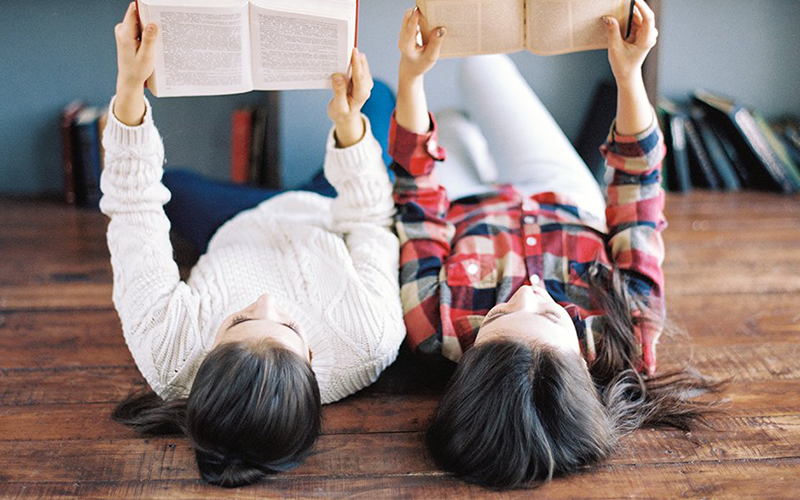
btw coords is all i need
(524, 298)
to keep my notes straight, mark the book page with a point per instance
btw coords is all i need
(299, 50)
(200, 50)
(477, 26)
(561, 26)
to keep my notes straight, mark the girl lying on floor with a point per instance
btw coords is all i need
(548, 295)
(295, 304)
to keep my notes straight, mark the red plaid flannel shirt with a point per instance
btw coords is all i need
(460, 258)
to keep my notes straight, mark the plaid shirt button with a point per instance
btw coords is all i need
(531, 241)
(529, 219)
(535, 279)
(472, 269)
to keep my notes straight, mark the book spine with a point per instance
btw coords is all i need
(90, 162)
(68, 156)
(241, 131)
(761, 148)
(680, 156)
(701, 155)
(779, 150)
(716, 154)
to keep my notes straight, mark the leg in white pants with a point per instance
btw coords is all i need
(529, 148)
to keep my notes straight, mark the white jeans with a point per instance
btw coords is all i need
(510, 137)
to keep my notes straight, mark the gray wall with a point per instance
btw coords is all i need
(52, 52)
(747, 49)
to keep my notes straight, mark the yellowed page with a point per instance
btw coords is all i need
(477, 26)
(561, 26)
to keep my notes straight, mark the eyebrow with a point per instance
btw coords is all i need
(237, 323)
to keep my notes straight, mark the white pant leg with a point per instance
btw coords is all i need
(529, 148)
(459, 173)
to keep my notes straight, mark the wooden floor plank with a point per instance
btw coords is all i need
(157, 459)
(763, 479)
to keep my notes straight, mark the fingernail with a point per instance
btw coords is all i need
(442, 32)
(338, 79)
(606, 19)
(151, 29)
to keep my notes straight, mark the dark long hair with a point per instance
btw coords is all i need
(254, 409)
(517, 414)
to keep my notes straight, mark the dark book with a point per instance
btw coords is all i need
(719, 159)
(767, 171)
(596, 126)
(270, 174)
(89, 164)
(241, 136)
(257, 145)
(731, 152)
(780, 150)
(68, 153)
(702, 171)
(677, 161)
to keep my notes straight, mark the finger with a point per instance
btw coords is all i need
(647, 13)
(355, 65)
(408, 33)
(339, 83)
(637, 17)
(362, 86)
(434, 46)
(612, 29)
(149, 36)
(128, 29)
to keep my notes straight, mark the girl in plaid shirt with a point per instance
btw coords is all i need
(549, 298)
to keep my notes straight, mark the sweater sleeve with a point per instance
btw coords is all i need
(424, 232)
(363, 210)
(160, 314)
(635, 216)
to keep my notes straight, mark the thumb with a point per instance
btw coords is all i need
(339, 88)
(612, 28)
(149, 36)
(434, 46)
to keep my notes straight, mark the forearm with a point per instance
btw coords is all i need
(412, 104)
(634, 111)
(129, 107)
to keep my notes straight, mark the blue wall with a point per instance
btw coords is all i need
(53, 52)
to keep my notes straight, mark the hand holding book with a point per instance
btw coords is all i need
(348, 99)
(135, 63)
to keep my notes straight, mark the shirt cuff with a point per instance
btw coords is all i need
(128, 136)
(344, 163)
(637, 154)
(415, 153)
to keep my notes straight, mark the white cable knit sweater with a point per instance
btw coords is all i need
(331, 264)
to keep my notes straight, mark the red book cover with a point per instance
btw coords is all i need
(241, 133)
(68, 149)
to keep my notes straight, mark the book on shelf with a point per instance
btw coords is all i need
(68, 150)
(89, 164)
(701, 170)
(234, 46)
(766, 167)
(778, 147)
(719, 159)
(544, 27)
(677, 159)
(241, 145)
(255, 145)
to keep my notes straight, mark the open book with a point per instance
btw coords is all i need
(233, 46)
(544, 27)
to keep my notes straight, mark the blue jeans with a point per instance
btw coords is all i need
(199, 206)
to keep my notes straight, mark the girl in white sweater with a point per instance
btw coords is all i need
(295, 304)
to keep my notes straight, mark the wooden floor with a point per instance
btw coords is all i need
(733, 277)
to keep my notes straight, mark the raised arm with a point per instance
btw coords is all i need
(159, 314)
(635, 150)
(422, 204)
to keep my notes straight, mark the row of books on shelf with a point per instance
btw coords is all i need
(82, 153)
(255, 145)
(715, 143)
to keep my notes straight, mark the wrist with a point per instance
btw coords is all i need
(632, 81)
(349, 131)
